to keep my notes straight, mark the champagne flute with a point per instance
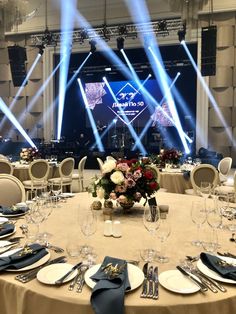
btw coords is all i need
(198, 215)
(205, 189)
(214, 217)
(151, 221)
(163, 233)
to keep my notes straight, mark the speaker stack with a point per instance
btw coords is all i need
(17, 58)
(208, 55)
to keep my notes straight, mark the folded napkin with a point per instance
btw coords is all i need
(6, 228)
(12, 210)
(108, 294)
(218, 265)
(23, 258)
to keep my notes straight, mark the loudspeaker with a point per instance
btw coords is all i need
(208, 54)
(17, 58)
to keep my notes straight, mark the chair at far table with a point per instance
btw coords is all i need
(6, 166)
(224, 167)
(228, 192)
(12, 190)
(38, 173)
(201, 173)
(66, 168)
(80, 175)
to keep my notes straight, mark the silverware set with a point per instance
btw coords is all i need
(32, 274)
(150, 284)
(78, 280)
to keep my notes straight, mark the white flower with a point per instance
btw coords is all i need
(100, 193)
(117, 177)
(108, 166)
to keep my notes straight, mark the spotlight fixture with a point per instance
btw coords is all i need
(120, 43)
(84, 34)
(41, 49)
(93, 46)
(182, 33)
(122, 30)
(162, 25)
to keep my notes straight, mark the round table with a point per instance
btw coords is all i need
(63, 223)
(175, 181)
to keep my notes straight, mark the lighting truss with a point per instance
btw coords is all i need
(161, 28)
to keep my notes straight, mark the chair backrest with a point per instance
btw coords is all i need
(66, 167)
(6, 166)
(39, 170)
(81, 165)
(201, 173)
(100, 163)
(3, 157)
(12, 190)
(110, 158)
(224, 166)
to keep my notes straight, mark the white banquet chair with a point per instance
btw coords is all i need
(224, 167)
(100, 163)
(6, 166)
(200, 173)
(80, 175)
(12, 190)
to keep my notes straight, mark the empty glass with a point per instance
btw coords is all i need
(209, 239)
(151, 221)
(205, 189)
(88, 225)
(198, 215)
(163, 233)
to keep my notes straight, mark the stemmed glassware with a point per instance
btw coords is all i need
(151, 221)
(198, 215)
(163, 233)
(205, 189)
(88, 225)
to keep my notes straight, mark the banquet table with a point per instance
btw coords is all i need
(175, 181)
(37, 298)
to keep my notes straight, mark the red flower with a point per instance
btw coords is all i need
(153, 185)
(148, 174)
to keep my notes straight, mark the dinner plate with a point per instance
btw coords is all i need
(51, 273)
(3, 244)
(214, 275)
(40, 262)
(8, 234)
(135, 274)
(175, 281)
(67, 195)
(3, 220)
(12, 215)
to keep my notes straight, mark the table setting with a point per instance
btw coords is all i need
(163, 282)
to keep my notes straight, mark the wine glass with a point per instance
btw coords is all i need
(205, 189)
(151, 221)
(163, 233)
(198, 215)
(214, 217)
(209, 239)
(88, 225)
(46, 210)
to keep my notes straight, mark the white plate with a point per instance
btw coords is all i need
(40, 262)
(135, 274)
(3, 243)
(12, 215)
(51, 273)
(174, 281)
(20, 205)
(65, 195)
(8, 234)
(214, 275)
(3, 219)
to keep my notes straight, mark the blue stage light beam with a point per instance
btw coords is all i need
(91, 119)
(131, 129)
(170, 101)
(12, 118)
(144, 131)
(209, 94)
(12, 104)
(67, 24)
(36, 96)
(110, 125)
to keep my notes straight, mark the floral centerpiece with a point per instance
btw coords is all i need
(29, 154)
(171, 156)
(126, 181)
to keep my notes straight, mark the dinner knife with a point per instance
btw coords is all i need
(202, 287)
(61, 280)
(145, 281)
(156, 283)
(150, 282)
(213, 282)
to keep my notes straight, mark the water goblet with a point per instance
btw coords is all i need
(88, 225)
(198, 215)
(163, 233)
(151, 221)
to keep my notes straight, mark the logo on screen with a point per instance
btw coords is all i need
(130, 104)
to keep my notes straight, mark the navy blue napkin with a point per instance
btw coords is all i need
(217, 264)
(108, 294)
(18, 260)
(6, 228)
(12, 210)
